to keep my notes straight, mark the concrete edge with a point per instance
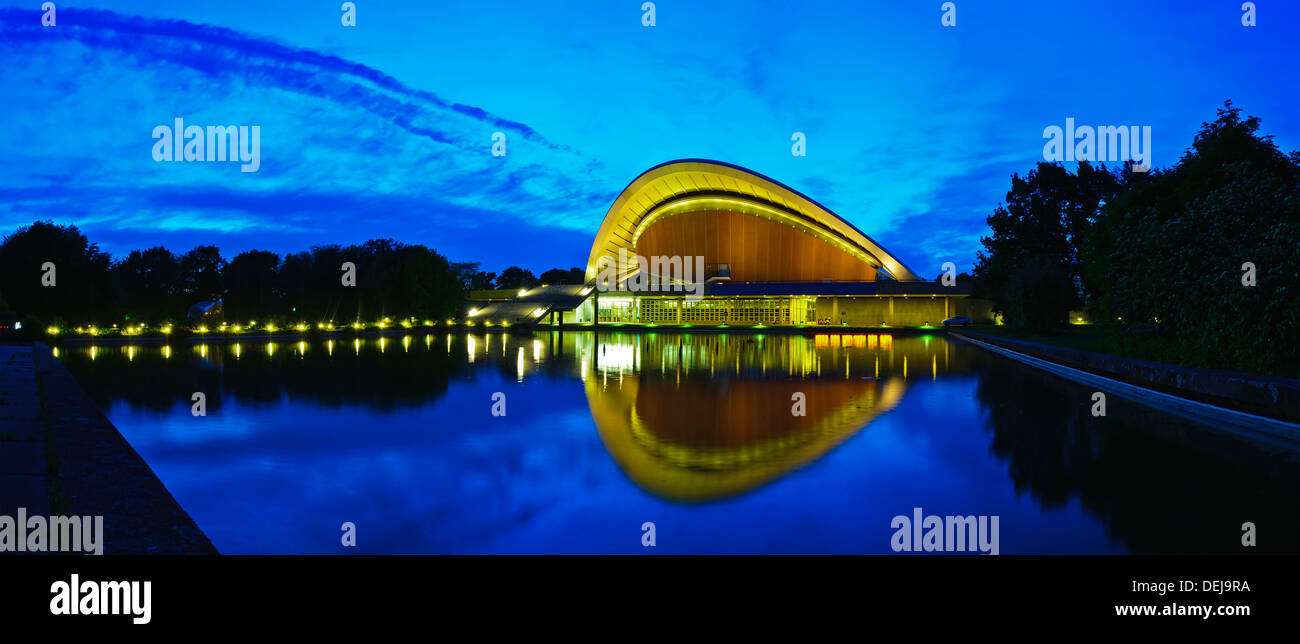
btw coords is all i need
(1275, 432)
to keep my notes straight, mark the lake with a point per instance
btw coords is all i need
(726, 443)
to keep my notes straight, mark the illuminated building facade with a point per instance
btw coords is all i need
(770, 257)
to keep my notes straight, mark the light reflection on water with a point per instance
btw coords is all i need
(696, 432)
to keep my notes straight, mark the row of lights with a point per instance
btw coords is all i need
(237, 328)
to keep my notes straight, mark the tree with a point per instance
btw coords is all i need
(250, 280)
(573, 275)
(473, 278)
(1170, 252)
(81, 288)
(148, 280)
(1030, 266)
(515, 277)
(200, 277)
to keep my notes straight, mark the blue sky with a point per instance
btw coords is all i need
(384, 129)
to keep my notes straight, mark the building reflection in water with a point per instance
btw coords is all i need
(704, 417)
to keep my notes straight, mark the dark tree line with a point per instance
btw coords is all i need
(1161, 254)
(155, 286)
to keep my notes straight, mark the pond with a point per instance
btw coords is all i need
(576, 442)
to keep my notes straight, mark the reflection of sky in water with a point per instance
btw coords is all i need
(398, 439)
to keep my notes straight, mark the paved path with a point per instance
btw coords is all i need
(22, 435)
(95, 471)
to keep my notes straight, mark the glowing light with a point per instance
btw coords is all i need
(473, 312)
(202, 329)
(54, 330)
(539, 312)
(523, 292)
(301, 327)
(270, 328)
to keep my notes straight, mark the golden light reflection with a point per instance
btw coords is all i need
(519, 364)
(270, 348)
(238, 350)
(712, 439)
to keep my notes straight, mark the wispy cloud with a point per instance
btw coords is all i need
(344, 146)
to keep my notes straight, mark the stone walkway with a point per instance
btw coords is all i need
(22, 435)
(97, 473)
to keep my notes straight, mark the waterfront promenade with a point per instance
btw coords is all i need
(59, 455)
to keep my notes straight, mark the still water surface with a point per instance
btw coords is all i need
(695, 433)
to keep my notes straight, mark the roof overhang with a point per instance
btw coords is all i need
(692, 185)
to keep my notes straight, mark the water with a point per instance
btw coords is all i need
(694, 433)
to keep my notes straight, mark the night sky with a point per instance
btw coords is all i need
(384, 129)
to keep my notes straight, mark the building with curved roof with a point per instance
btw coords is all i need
(698, 242)
(765, 230)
